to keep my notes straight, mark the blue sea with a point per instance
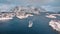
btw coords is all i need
(20, 26)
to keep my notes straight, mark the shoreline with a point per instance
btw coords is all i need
(24, 16)
(5, 18)
(51, 16)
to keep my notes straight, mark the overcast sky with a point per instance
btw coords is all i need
(49, 5)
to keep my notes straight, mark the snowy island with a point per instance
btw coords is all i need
(55, 24)
(51, 16)
(6, 15)
(19, 12)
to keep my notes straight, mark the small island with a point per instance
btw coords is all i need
(51, 16)
(55, 24)
(22, 15)
(19, 12)
(6, 15)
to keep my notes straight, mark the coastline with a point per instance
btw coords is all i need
(5, 18)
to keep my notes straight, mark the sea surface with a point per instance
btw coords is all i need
(20, 26)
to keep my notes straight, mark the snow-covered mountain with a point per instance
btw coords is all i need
(25, 9)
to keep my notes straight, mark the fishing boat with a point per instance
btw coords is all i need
(30, 24)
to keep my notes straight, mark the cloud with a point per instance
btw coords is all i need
(51, 8)
(40, 1)
(56, 9)
(46, 4)
(5, 7)
(47, 8)
(27, 1)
